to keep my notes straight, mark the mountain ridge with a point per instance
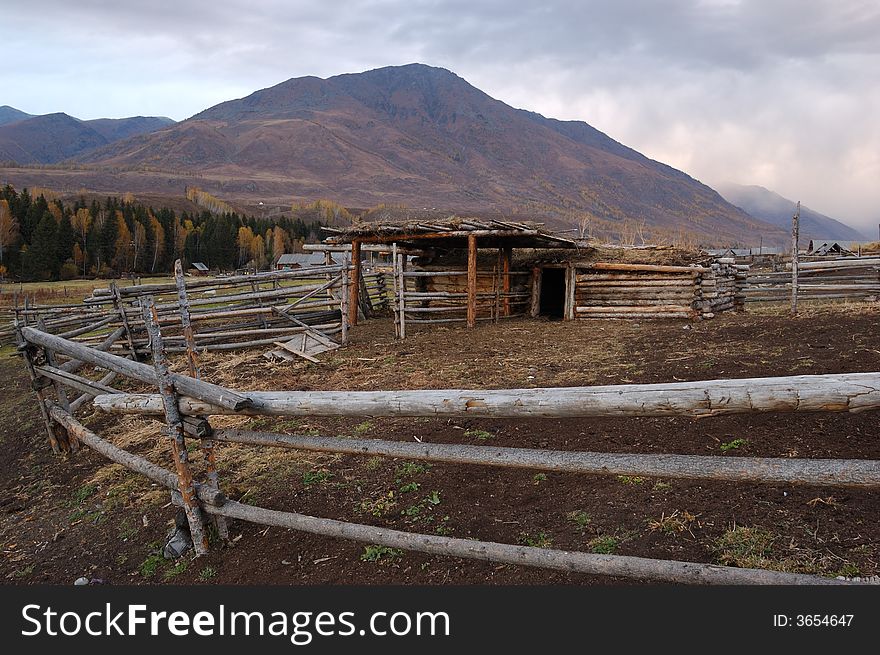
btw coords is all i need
(417, 135)
(55, 137)
(773, 208)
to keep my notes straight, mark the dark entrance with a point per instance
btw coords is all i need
(553, 293)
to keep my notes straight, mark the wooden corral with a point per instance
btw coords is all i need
(187, 404)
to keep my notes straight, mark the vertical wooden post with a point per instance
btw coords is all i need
(794, 258)
(120, 309)
(472, 281)
(355, 287)
(343, 304)
(174, 422)
(25, 350)
(396, 304)
(60, 393)
(570, 282)
(535, 308)
(183, 308)
(207, 445)
(505, 263)
(402, 298)
(496, 284)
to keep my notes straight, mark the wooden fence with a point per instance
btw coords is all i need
(186, 403)
(826, 279)
(221, 313)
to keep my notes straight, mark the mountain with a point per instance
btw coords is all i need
(11, 115)
(421, 136)
(114, 129)
(52, 138)
(776, 210)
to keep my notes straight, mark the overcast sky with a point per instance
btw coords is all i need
(781, 93)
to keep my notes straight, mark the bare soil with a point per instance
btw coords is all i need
(71, 516)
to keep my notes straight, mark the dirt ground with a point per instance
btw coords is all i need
(71, 516)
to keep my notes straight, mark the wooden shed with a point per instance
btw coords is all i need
(471, 270)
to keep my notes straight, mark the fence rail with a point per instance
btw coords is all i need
(187, 403)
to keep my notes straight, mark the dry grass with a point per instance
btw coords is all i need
(759, 548)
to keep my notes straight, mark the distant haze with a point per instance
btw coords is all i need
(780, 93)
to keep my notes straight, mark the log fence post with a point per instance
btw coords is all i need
(175, 430)
(207, 445)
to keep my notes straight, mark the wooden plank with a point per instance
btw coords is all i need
(299, 353)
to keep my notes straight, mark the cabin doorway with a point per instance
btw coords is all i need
(552, 302)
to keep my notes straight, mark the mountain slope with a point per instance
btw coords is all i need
(47, 139)
(12, 115)
(773, 208)
(114, 129)
(52, 138)
(418, 135)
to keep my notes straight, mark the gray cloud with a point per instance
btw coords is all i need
(783, 93)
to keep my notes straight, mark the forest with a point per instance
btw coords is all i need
(44, 238)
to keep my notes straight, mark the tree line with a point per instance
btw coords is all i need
(44, 238)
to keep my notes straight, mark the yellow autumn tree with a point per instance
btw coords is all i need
(158, 242)
(8, 228)
(244, 240)
(258, 251)
(123, 246)
(82, 221)
(280, 241)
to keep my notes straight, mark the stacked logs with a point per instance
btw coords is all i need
(720, 287)
(607, 290)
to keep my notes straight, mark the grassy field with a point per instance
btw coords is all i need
(64, 291)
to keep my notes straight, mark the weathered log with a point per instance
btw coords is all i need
(204, 390)
(574, 561)
(660, 309)
(656, 268)
(823, 472)
(652, 316)
(848, 392)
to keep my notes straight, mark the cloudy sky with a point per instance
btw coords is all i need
(781, 93)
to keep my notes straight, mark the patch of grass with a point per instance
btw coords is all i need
(379, 506)
(482, 435)
(151, 565)
(603, 544)
(744, 547)
(83, 493)
(675, 523)
(127, 530)
(849, 570)
(409, 487)
(381, 554)
(733, 445)
(409, 469)
(373, 464)
(207, 573)
(538, 478)
(443, 528)
(175, 570)
(366, 426)
(23, 572)
(310, 478)
(536, 540)
(418, 509)
(630, 479)
(661, 487)
(580, 519)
